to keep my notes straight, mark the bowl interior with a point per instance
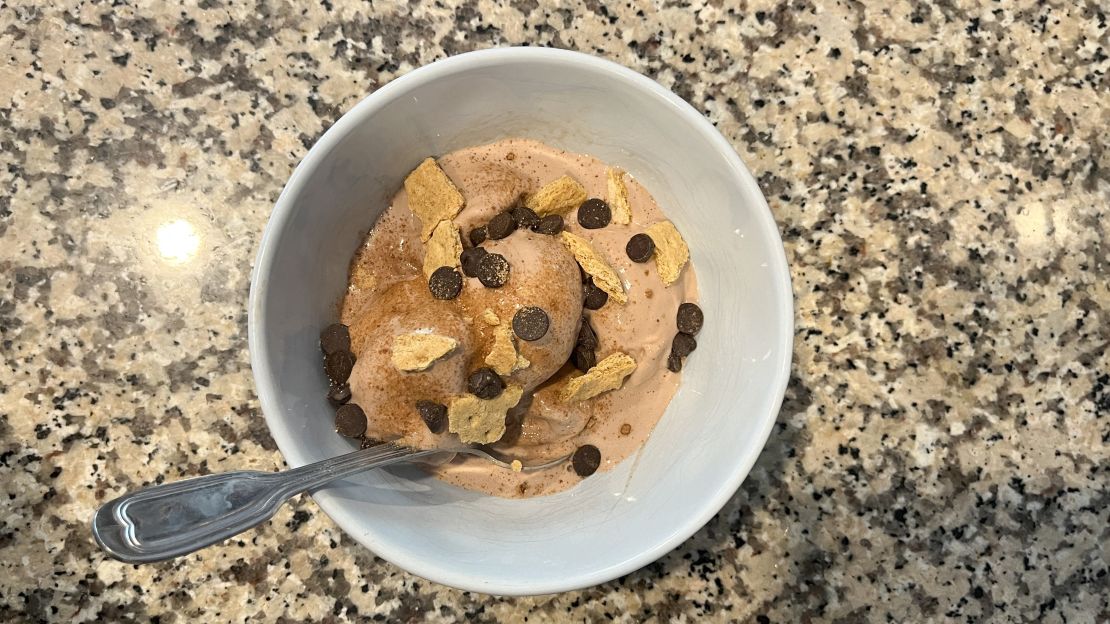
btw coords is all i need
(714, 428)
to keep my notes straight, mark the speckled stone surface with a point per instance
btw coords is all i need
(941, 178)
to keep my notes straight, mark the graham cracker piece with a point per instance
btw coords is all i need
(443, 248)
(618, 196)
(481, 421)
(432, 196)
(490, 318)
(418, 351)
(607, 375)
(671, 252)
(503, 357)
(558, 197)
(592, 263)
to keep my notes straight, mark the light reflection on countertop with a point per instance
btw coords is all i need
(177, 241)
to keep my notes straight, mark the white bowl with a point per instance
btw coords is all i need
(615, 522)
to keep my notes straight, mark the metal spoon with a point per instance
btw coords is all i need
(166, 521)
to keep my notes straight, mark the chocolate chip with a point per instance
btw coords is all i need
(594, 213)
(683, 344)
(478, 236)
(445, 283)
(335, 337)
(640, 248)
(587, 337)
(551, 225)
(530, 323)
(339, 395)
(595, 297)
(690, 318)
(674, 362)
(525, 218)
(368, 442)
(350, 421)
(338, 366)
(583, 358)
(586, 460)
(433, 414)
(484, 383)
(469, 260)
(493, 270)
(501, 226)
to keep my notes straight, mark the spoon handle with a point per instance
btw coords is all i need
(173, 519)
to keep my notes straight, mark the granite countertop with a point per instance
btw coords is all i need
(940, 177)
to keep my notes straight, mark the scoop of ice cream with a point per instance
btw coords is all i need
(490, 188)
(388, 394)
(644, 326)
(543, 275)
(386, 383)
